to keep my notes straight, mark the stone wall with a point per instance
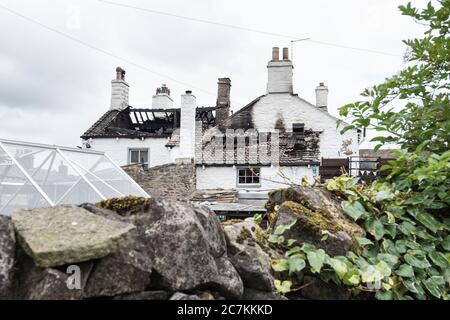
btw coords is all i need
(169, 181)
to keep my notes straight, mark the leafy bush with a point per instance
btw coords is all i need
(406, 252)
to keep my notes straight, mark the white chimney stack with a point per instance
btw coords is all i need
(187, 125)
(280, 72)
(162, 99)
(322, 97)
(119, 91)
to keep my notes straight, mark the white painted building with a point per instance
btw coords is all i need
(149, 135)
(297, 120)
(165, 134)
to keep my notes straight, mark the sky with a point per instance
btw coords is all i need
(53, 87)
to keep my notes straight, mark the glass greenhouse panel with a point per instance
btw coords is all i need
(16, 191)
(35, 175)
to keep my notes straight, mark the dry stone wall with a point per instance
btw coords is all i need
(169, 181)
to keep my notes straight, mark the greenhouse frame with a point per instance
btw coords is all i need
(37, 175)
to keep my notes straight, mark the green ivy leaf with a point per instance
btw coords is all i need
(435, 285)
(282, 228)
(296, 263)
(413, 286)
(370, 274)
(390, 259)
(384, 295)
(417, 261)
(389, 247)
(290, 242)
(383, 195)
(292, 251)
(405, 270)
(355, 209)
(308, 247)
(280, 265)
(316, 259)
(400, 245)
(407, 228)
(257, 218)
(438, 259)
(338, 266)
(362, 241)
(383, 268)
(283, 287)
(429, 221)
(375, 228)
(446, 243)
(352, 277)
(277, 239)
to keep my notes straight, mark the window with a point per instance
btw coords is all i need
(298, 129)
(139, 156)
(248, 176)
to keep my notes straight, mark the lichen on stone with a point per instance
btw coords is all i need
(314, 218)
(128, 204)
(316, 203)
(260, 237)
(244, 235)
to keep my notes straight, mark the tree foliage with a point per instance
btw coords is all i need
(422, 88)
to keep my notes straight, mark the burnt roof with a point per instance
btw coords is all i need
(293, 149)
(241, 119)
(143, 122)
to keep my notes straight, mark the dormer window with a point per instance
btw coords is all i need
(298, 129)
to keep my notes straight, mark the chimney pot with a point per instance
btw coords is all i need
(275, 53)
(285, 53)
(162, 99)
(280, 73)
(322, 97)
(120, 73)
(119, 91)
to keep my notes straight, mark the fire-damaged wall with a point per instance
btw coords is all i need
(171, 181)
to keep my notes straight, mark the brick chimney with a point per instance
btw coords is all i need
(187, 125)
(162, 99)
(223, 99)
(322, 97)
(119, 91)
(280, 72)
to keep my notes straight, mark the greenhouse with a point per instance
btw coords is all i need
(36, 175)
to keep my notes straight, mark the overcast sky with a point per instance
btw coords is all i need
(52, 88)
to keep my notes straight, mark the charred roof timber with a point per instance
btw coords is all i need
(158, 122)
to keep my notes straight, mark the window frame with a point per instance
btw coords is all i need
(145, 164)
(248, 185)
(296, 126)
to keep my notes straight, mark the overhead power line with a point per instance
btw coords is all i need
(103, 51)
(242, 28)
